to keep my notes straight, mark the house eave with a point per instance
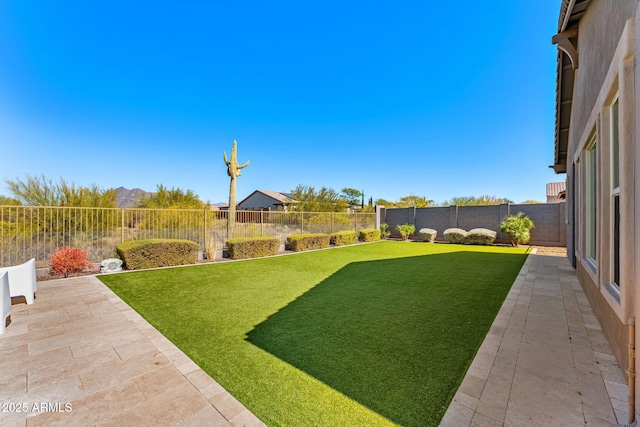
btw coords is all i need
(567, 59)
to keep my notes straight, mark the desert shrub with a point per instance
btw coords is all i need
(342, 238)
(480, 236)
(455, 235)
(370, 234)
(68, 260)
(241, 230)
(305, 242)
(253, 247)
(325, 222)
(138, 254)
(428, 234)
(517, 228)
(384, 231)
(406, 230)
(210, 248)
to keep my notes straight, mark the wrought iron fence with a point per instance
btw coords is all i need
(37, 231)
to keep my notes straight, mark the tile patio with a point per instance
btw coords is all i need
(80, 345)
(544, 362)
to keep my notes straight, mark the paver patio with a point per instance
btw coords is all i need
(545, 361)
(79, 344)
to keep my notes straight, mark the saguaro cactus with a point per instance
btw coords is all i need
(233, 170)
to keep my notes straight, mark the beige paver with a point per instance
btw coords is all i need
(551, 364)
(80, 356)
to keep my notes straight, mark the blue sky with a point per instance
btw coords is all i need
(423, 97)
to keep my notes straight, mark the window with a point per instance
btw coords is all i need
(590, 201)
(615, 192)
(616, 240)
(615, 150)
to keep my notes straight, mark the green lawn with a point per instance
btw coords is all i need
(375, 334)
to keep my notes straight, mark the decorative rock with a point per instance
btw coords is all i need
(428, 234)
(111, 265)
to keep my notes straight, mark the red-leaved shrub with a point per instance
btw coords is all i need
(68, 260)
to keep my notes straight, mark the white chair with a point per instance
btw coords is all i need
(5, 301)
(22, 280)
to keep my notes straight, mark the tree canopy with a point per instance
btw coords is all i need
(174, 198)
(409, 201)
(414, 201)
(476, 201)
(311, 200)
(40, 191)
(352, 196)
(8, 201)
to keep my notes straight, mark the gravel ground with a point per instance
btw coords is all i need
(551, 251)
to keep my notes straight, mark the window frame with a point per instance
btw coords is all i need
(591, 202)
(614, 143)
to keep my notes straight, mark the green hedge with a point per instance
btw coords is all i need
(253, 247)
(139, 254)
(369, 235)
(305, 242)
(342, 238)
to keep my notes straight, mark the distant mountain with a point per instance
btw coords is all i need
(128, 198)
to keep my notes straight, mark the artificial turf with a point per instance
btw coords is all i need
(375, 334)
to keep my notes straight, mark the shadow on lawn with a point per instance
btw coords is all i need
(396, 335)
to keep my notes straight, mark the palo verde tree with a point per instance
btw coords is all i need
(164, 202)
(233, 170)
(477, 201)
(40, 191)
(8, 201)
(386, 203)
(324, 208)
(410, 201)
(174, 198)
(308, 199)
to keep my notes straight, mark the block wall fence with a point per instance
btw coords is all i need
(549, 220)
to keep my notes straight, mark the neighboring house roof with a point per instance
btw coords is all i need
(570, 13)
(555, 189)
(279, 196)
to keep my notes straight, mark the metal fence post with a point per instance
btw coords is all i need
(122, 225)
(204, 230)
(44, 228)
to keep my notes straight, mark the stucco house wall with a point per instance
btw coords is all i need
(605, 80)
(599, 33)
(600, 30)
